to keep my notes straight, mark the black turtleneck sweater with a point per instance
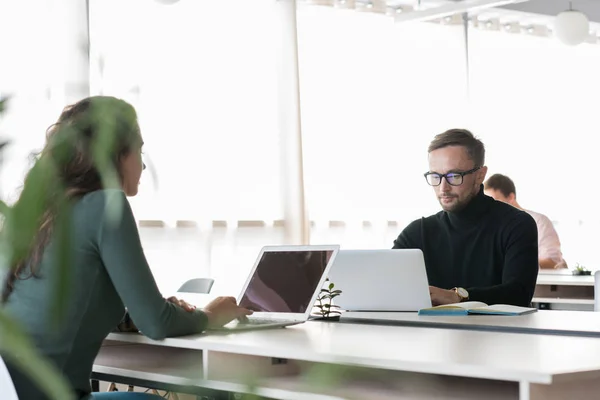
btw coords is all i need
(490, 248)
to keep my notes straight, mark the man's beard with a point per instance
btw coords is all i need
(459, 205)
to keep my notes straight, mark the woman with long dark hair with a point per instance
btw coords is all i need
(107, 269)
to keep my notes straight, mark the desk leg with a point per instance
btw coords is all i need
(572, 388)
(95, 385)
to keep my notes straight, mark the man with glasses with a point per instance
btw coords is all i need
(477, 248)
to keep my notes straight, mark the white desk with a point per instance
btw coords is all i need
(542, 322)
(568, 280)
(561, 271)
(558, 289)
(388, 362)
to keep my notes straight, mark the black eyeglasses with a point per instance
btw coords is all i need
(453, 178)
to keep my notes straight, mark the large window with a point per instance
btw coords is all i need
(533, 102)
(374, 94)
(29, 76)
(202, 77)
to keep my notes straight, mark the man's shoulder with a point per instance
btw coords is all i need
(539, 217)
(429, 220)
(506, 214)
(411, 235)
(505, 209)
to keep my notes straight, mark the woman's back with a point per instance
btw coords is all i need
(95, 144)
(107, 265)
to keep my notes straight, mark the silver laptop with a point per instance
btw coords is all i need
(381, 280)
(283, 285)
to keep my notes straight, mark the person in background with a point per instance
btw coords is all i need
(108, 271)
(502, 188)
(475, 248)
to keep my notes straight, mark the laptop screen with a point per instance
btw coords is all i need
(285, 281)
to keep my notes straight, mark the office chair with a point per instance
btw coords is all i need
(197, 285)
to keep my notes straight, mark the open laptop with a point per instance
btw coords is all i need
(381, 280)
(283, 285)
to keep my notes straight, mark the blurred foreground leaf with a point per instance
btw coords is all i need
(18, 230)
(64, 260)
(3, 104)
(326, 375)
(107, 118)
(4, 209)
(23, 220)
(43, 192)
(16, 347)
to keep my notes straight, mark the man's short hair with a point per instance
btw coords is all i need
(460, 137)
(502, 183)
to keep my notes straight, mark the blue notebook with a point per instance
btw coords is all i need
(476, 307)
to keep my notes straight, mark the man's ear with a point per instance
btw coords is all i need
(481, 174)
(512, 198)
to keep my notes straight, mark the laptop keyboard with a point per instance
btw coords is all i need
(263, 321)
(255, 322)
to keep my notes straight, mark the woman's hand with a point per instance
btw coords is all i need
(181, 303)
(222, 310)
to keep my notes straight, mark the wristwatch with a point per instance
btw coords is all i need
(462, 293)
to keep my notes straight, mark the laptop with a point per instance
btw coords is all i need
(283, 285)
(381, 280)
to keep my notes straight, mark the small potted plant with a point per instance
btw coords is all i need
(326, 309)
(581, 270)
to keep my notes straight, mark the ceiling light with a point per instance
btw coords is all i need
(571, 27)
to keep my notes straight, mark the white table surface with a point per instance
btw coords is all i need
(570, 280)
(498, 356)
(174, 366)
(549, 322)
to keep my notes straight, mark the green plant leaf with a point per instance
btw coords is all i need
(23, 221)
(3, 104)
(16, 347)
(108, 118)
(326, 375)
(331, 286)
(4, 208)
(63, 260)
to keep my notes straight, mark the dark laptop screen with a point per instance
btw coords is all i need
(285, 281)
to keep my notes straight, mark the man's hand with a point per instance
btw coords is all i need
(442, 296)
(222, 310)
(548, 263)
(181, 303)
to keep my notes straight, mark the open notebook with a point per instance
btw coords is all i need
(476, 307)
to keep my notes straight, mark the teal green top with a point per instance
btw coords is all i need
(108, 273)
